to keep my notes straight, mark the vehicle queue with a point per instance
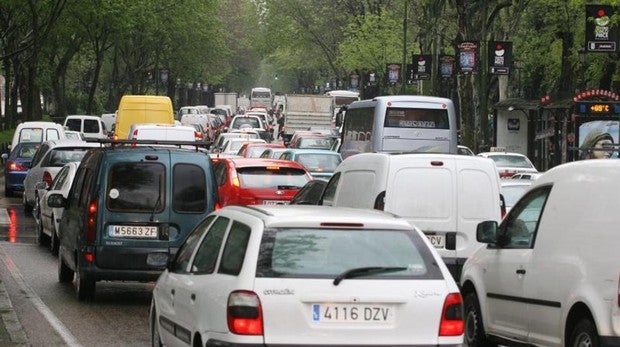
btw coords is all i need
(443, 254)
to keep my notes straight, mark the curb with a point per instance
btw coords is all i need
(11, 331)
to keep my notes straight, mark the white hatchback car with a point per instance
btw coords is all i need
(508, 163)
(306, 275)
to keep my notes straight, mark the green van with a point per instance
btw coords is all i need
(128, 211)
(134, 109)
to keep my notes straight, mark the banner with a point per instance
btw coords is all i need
(393, 72)
(446, 66)
(500, 57)
(601, 33)
(468, 53)
(422, 66)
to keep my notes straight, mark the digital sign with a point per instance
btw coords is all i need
(602, 107)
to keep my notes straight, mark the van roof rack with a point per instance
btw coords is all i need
(124, 142)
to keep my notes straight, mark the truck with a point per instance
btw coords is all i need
(229, 99)
(306, 112)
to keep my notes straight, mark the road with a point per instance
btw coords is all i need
(48, 311)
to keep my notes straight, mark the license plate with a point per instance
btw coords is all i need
(438, 241)
(275, 202)
(137, 231)
(352, 313)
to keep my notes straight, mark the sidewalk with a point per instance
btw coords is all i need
(11, 332)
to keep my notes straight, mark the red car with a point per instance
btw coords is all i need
(251, 181)
(255, 149)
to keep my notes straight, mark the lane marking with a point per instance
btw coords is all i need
(56, 323)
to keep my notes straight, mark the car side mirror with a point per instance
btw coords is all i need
(486, 232)
(41, 185)
(56, 201)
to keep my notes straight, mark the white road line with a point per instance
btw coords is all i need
(60, 328)
(4, 217)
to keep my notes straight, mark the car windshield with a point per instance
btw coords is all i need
(327, 253)
(60, 156)
(319, 162)
(272, 177)
(510, 161)
(315, 142)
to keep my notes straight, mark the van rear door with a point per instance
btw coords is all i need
(422, 190)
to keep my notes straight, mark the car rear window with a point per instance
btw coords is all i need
(315, 142)
(136, 187)
(253, 122)
(510, 161)
(327, 253)
(58, 157)
(272, 177)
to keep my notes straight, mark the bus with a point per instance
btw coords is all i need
(400, 123)
(261, 97)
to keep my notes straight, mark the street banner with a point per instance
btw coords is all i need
(500, 57)
(601, 33)
(422, 66)
(468, 53)
(393, 72)
(446, 66)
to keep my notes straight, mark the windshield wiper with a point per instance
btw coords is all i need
(361, 271)
(156, 206)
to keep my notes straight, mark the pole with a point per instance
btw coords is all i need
(403, 71)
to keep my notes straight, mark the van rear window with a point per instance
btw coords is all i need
(189, 188)
(136, 187)
(31, 135)
(74, 124)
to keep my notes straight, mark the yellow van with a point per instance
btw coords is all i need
(142, 109)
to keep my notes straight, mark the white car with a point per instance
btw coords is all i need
(47, 161)
(48, 217)
(508, 163)
(513, 190)
(232, 146)
(549, 274)
(305, 275)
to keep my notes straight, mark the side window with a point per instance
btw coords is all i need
(91, 126)
(330, 190)
(74, 124)
(39, 155)
(220, 172)
(76, 188)
(234, 249)
(206, 256)
(52, 134)
(60, 178)
(189, 188)
(187, 249)
(519, 229)
(86, 187)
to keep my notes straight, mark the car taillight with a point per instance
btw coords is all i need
(47, 178)
(199, 135)
(15, 166)
(91, 221)
(452, 316)
(244, 313)
(504, 174)
(380, 201)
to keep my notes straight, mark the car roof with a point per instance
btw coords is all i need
(70, 143)
(322, 217)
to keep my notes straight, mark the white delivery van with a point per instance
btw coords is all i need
(162, 132)
(92, 127)
(445, 195)
(549, 274)
(37, 131)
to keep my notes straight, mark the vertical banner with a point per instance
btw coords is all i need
(393, 73)
(354, 80)
(468, 53)
(422, 66)
(446, 66)
(500, 57)
(601, 33)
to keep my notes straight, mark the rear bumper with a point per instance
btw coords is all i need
(218, 343)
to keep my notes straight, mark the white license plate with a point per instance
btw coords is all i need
(137, 231)
(352, 313)
(275, 202)
(438, 241)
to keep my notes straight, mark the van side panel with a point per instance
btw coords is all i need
(142, 109)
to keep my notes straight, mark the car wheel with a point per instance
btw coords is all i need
(584, 334)
(54, 241)
(65, 274)
(27, 207)
(155, 337)
(474, 329)
(8, 192)
(84, 287)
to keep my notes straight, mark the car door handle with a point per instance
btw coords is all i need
(521, 271)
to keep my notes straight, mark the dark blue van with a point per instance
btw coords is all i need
(128, 211)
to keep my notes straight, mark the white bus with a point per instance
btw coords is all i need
(400, 123)
(261, 97)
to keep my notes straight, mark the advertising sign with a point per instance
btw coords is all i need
(446, 66)
(500, 57)
(468, 53)
(601, 33)
(393, 72)
(422, 66)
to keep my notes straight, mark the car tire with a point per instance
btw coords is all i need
(27, 207)
(155, 337)
(474, 328)
(54, 240)
(84, 287)
(584, 334)
(65, 274)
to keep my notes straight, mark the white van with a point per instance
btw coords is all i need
(92, 127)
(162, 132)
(549, 274)
(445, 195)
(37, 131)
